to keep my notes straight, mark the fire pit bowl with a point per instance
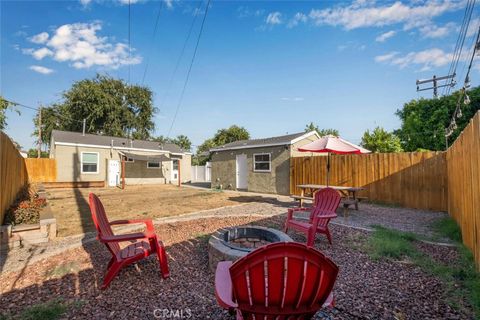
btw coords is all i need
(230, 244)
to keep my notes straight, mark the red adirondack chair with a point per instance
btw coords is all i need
(325, 204)
(143, 244)
(282, 280)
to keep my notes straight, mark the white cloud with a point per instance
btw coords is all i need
(362, 14)
(246, 12)
(20, 33)
(384, 36)
(122, 2)
(274, 18)
(473, 27)
(39, 38)
(292, 99)
(40, 69)
(169, 4)
(386, 57)
(126, 2)
(434, 31)
(427, 59)
(297, 18)
(41, 53)
(80, 45)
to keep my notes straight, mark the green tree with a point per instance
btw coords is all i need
(231, 134)
(221, 137)
(4, 105)
(110, 106)
(161, 139)
(380, 140)
(32, 153)
(183, 142)
(423, 121)
(202, 155)
(321, 132)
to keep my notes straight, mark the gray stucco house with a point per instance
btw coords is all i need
(258, 165)
(89, 157)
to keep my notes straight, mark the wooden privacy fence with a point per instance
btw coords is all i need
(13, 173)
(412, 179)
(463, 162)
(41, 170)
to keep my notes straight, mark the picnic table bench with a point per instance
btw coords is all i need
(349, 194)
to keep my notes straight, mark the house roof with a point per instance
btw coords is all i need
(266, 142)
(77, 138)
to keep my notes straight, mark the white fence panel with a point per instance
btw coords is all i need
(202, 173)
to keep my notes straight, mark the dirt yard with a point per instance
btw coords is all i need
(366, 288)
(70, 206)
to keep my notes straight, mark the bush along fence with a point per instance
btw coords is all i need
(445, 181)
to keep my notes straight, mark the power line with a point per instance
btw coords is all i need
(18, 104)
(153, 40)
(190, 68)
(463, 92)
(129, 40)
(180, 57)
(459, 45)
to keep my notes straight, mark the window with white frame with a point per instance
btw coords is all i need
(153, 165)
(262, 162)
(89, 162)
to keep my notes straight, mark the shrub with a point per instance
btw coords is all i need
(26, 209)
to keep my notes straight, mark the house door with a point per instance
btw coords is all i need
(242, 172)
(175, 170)
(113, 173)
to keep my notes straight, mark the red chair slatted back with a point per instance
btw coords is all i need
(282, 280)
(101, 222)
(326, 199)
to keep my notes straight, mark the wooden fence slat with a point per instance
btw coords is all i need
(397, 178)
(13, 174)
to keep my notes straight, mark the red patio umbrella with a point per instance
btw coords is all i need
(331, 144)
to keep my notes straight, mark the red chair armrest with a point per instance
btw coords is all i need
(301, 209)
(291, 211)
(322, 215)
(330, 302)
(223, 285)
(148, 223)
(124, 237)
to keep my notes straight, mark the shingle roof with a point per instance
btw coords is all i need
(93, 139)
(265, 142)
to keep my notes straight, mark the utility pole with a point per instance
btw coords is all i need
(39, 146)
(435, 85)
(83, 131)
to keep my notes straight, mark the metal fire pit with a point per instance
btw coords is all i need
(230, 244)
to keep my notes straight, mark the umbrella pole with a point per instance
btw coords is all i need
(328, 169)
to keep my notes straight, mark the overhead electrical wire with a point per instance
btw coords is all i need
(459, 46)
(189, 68)
(129, 39)
(18, 104)
(180, 57)
(463, 92)
(153, 41)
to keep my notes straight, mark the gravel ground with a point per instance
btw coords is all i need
(411, 220)
(365, 289)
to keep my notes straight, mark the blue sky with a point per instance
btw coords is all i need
(270, 66)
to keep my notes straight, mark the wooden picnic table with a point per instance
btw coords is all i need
(349, 193)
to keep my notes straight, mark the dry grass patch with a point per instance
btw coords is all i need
(70, 206)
